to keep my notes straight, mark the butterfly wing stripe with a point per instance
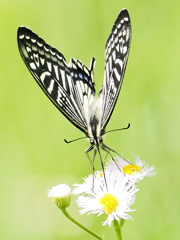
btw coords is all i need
(50, 70)
(116, 55)
(62, 100)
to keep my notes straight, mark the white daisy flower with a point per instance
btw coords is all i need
(115, 202)
(134, 172)
(61, 195)
(87, 186)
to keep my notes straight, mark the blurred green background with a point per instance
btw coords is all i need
(33, 154)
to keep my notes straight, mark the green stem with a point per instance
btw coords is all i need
(78, 224)
(122, 222)
(117, 229)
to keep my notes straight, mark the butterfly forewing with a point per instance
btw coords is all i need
(69, 86)
(116, 56)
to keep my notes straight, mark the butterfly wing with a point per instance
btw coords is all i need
(69, 86)
(116, 56)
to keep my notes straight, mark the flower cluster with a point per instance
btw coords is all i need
(113, 192)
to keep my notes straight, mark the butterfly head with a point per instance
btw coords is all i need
(97, 141)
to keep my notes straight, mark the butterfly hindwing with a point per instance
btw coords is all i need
(116, 56)
(69, 86)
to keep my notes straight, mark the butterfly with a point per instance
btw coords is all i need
(71, 86)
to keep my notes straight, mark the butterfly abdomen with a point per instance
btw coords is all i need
(95, 113)
(94, 126)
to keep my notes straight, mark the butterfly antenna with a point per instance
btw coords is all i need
(118, 129)
(73, 140)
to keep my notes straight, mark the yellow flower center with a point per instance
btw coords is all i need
(101, 174)
(131, 169)
(109, 202)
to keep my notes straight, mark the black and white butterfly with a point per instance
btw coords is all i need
(71, 86)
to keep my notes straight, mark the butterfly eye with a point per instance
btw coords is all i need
(92, 141)
(100, 139)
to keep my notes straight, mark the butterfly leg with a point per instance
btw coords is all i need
(111, 157)
(105, 146)
(105, 157)
(91, 162)
(102, 167)
(95, 151)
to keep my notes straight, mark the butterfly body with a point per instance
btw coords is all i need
(71, 86)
